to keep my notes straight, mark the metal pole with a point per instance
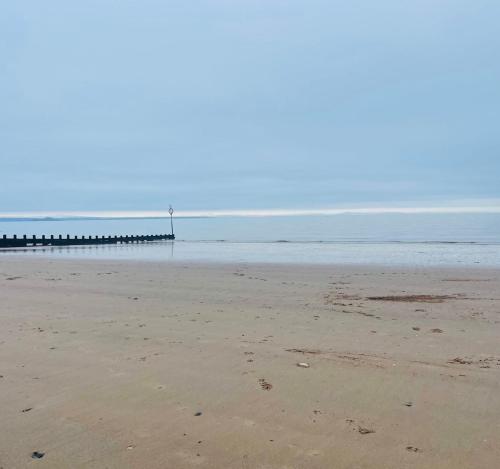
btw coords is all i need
(171, 211)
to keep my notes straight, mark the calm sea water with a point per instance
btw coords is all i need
(396, 239)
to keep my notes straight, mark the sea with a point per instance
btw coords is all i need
(415, 239)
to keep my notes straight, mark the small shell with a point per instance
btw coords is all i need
(303, 365)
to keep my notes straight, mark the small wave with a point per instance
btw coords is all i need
(343, 242)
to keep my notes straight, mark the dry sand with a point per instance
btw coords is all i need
(163, 365)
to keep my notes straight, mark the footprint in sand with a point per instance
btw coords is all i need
(265, 385)
(413, 449)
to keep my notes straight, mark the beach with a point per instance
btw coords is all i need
(131, 364)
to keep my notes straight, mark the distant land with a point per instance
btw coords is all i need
(490, 206)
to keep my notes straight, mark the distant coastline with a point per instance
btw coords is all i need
(21, 219)
(492, 207)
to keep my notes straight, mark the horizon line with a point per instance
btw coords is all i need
(138, 214)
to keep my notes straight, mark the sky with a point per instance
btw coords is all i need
(248, 104)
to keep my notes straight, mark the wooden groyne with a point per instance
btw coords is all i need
(26, 241)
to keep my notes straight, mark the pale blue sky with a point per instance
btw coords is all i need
(213, 104)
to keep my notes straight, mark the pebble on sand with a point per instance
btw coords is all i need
(365, 431)
(303, 365)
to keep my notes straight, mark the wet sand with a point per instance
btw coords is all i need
(180, 365)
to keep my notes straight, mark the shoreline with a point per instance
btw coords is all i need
(13, 256)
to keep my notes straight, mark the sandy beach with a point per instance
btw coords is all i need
(110, 364)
